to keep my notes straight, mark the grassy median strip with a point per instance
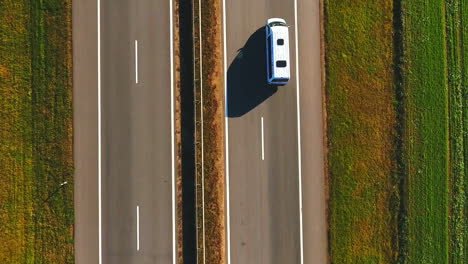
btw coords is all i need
(361, 126)
(213, 130)
(36, 212)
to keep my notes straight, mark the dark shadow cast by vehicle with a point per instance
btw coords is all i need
(247, 84)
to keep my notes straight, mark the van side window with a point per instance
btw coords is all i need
(281, 63)
(280, 42)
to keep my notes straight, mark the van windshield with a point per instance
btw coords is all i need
(274, 24)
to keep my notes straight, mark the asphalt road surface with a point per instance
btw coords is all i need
(85, 131)
(137, 219)
(134, 116)
(264, 161)
(263, 128)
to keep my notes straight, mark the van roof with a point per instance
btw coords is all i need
(275, 19)
(280, 52)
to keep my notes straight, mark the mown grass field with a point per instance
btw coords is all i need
(361, 125)
(426, 124)
(463, 27)
(457, 125)
(36, 215)
(426, 209)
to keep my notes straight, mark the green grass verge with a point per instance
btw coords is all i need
(430, 143)
(36, 217)
(426, 131)
(463, 10)
(456, 129)
(361, 126)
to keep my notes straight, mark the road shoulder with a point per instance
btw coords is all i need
(313, 171)
(85, 121)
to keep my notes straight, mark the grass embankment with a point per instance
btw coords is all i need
(426, 150)
(431, 143)
(361, 126)
(36, 218)
(456, 129)
(213, 130)
(463, 9)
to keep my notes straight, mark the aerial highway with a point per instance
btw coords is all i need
(123, 116)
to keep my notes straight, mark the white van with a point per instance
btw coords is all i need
(277, 51)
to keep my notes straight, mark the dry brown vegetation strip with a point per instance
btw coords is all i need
(178, 138)
(213, 122)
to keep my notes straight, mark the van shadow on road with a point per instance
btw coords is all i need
(247, 77)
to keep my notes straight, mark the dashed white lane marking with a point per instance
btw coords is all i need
(138, 228)
(136, 61)
(263, 141)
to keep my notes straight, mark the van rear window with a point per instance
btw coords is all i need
(280, 42)
(281, 63)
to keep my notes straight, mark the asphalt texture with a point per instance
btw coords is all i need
(85, 131)
(264, 200)
(136, 151)
(136, 132)
(264, 191)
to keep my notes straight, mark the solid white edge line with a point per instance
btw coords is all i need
(263, 141)
(138, 227)
(99, 129)
(202, 142)
(226, 128)
(171, 36)
(136, 61)
(298, 131)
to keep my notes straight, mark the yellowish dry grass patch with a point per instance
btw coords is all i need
(36, 216)
(361, 121)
